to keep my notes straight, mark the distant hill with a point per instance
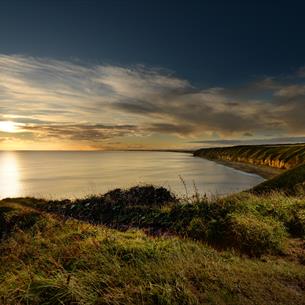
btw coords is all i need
(283, 156)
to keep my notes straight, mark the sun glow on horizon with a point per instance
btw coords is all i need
(8, 126)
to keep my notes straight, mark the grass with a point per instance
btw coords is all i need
(291, 182)
(285, 156)
(53, 260)
(248, 223)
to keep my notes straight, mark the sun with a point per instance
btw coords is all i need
(8, 126)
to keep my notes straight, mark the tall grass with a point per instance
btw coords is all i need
(66, 261)
(248, 223)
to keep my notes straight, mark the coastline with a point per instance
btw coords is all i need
(265, 172)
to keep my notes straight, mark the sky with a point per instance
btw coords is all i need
(150, 74)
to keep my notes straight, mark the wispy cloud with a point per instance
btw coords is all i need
(81, 132)
(73, 101)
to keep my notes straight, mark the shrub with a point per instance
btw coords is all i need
(25, 221)
(251, 223)
(297, 224)
(198, 229)
(11, 220)
(255, 235)
(140, 195)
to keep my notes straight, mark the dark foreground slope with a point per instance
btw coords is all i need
(243, 249)
(276, 156)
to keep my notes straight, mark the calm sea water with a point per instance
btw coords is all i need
(76, 174)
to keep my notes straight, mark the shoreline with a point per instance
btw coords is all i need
(265, 172)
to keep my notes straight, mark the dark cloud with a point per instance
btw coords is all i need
(138, 107)
(170, 128)
(94, 133)
(248, 134)
(301, 72)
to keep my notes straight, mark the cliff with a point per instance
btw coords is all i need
(275, 156)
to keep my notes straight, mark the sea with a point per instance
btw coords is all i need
(76, 174)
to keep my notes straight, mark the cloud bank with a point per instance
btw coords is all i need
(103, 105)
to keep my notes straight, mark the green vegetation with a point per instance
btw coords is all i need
(277, 156)
(239, 221)
(291, 182)
(242, 249)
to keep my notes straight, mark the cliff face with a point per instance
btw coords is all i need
(277, 156)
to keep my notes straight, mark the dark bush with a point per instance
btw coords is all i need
(140, 195)
(198, 229)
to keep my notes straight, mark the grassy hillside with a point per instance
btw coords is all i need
(277, 156)
(291, 182)
(243, 249)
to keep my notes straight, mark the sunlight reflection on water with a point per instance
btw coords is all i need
(9, 175)
(76, 174)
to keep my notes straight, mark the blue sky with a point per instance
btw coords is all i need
(238, 65)
(208, 42)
